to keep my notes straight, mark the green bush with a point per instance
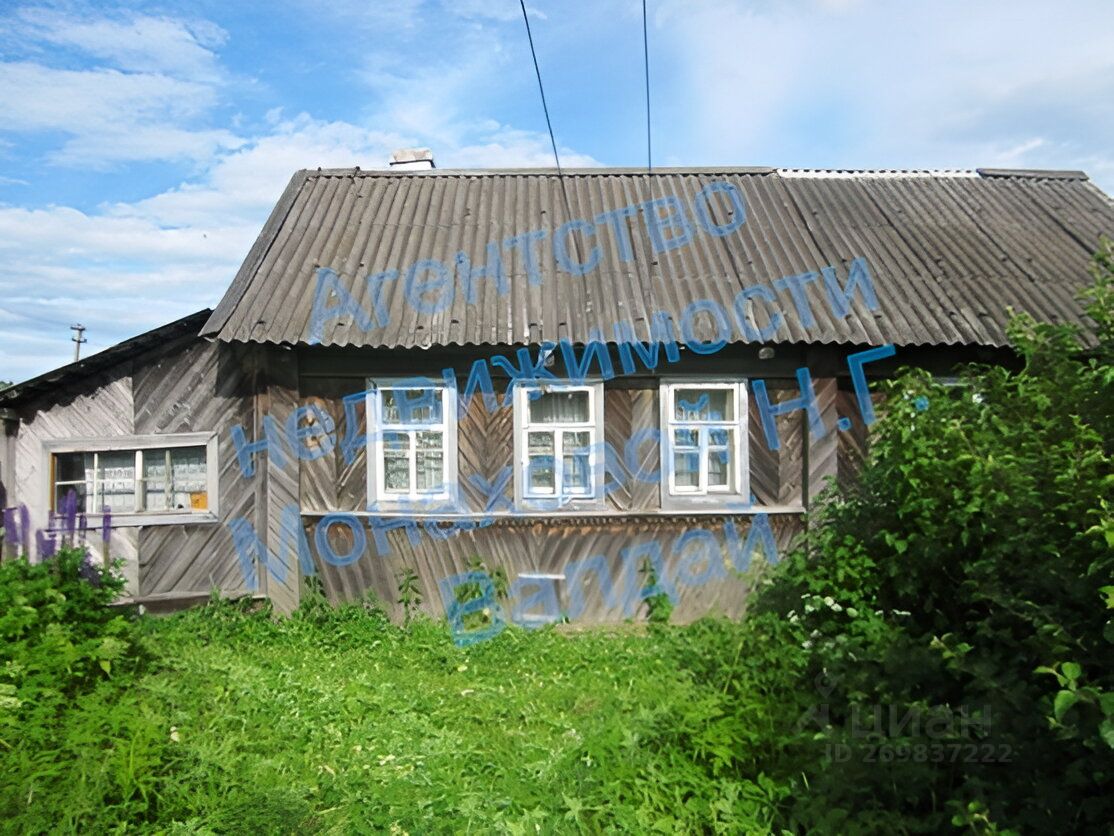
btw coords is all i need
(941, 654)
(57, 632)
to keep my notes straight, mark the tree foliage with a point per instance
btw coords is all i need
(944, 644)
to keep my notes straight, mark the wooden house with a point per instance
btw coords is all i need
(331, 415)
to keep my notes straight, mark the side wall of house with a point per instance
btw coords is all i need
(97, 406)
(204, 387)
(189, 386)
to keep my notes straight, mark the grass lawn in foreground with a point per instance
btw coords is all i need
(339, 722)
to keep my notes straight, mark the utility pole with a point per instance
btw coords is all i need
(78, 338)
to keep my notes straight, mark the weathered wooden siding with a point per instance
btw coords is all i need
(282, 491)
(821, 466)
(200, 387)
(101, 405)
(189, 386)
(852, 443)
(777, 475)
(538, 544)
(524, 546)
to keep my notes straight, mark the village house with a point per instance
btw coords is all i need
(359, 367)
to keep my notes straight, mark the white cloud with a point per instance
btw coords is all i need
(505, 147)
(149, 98)
(143, 143)
(129, 267)
(141, 44)
(35, 98)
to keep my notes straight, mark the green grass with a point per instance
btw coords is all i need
(339, 722)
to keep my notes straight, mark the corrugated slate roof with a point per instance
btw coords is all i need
(948, 253)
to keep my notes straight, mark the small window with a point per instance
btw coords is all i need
(704, 437)
(558, 430)
(142, 480)
(412, 442)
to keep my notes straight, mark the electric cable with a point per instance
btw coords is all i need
(548, 122)
(541, 88)
(646, 65)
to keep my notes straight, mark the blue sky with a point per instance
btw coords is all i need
(142, 145)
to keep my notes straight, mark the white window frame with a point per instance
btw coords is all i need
(138, 444)
(705, 495)
(379, 499)
(594, 427)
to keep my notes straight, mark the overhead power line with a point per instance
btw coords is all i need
(541, 89)
(646, 65)
(548, 123)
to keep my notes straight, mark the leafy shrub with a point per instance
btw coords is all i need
(66, 659)
(941, 654)
(472, 590)
(659, 606)
(57, 632)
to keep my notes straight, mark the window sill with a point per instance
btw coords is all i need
(723, 503)
(567, 505)
(711, 511)
(125, 520)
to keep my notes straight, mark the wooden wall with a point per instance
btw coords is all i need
(100, 405)
(187, 386)
(549, 547)
(195, 385)
(200, 387)
(782, 481)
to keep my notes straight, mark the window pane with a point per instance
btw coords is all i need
(411, 406)
(719, 467)
(540, 474)
(80, 490)
(576, 447)
(430, 471)
(73, 472)
(429, 439)
(73, 467)
(431, 460)
(396, 462)
(189, 478)
(686, 438)
(703, 405)
(154, 480)
(686, 470)
(559, 408)
(116, 481)
(174, 479)
(539, 443)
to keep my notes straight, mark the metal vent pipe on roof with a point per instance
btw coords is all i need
(412, 159)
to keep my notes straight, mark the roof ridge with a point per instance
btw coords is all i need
(834, 173)
(788, 172)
